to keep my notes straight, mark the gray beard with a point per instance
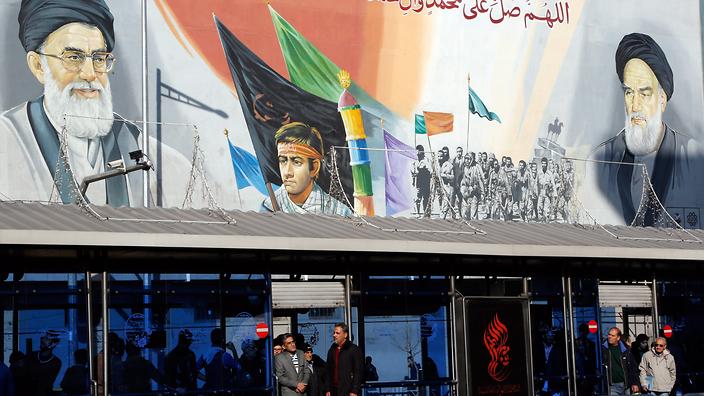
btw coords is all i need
(642, 141)
(94, 116)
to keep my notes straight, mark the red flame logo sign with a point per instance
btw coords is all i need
(495, 339)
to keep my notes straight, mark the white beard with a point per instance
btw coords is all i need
(62, 104)
(642, 141)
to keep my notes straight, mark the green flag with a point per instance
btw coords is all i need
(311, 70)
(476, 106)
(420, 124)
(307, 67)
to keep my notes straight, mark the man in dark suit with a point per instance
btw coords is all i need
(291, 369)
(345, 365)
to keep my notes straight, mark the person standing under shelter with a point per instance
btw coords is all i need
(181, 369)
(316, 365)
(7, 386)
(345, 365)
(76, 380)
(657, 369)
(219, 365)
(291, 369)
(622, 369)
(44, 365)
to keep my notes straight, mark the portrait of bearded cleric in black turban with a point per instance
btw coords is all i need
(669, 156)
(68, 48)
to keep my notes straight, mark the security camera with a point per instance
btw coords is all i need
(118, 163)
(136, 155)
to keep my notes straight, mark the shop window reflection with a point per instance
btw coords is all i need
(45, 333)
(548, 336)
(680, 307)
(189, 333)
(406, 335)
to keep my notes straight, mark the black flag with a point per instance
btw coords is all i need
(269, 101)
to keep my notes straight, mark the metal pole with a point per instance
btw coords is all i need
(573, 364)
(469, 113)
(466, 351)
(106, 328)
(656, 313)
(453, 335)
(348, 303)
(526, 293)
(145, 113)
(147, 300)
(89, 324)
(73, 311)
(566, 317)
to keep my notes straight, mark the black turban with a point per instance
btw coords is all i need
(643, 47)
(39, 18)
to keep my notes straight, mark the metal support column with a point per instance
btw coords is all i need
(73, 311)
(656, 312)
(453, 336)
(348, 303)
(106, 329)
(526, 294)
(91, 336)
(572, 372)
(145, 101)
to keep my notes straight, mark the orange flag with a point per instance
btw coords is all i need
(436, 123)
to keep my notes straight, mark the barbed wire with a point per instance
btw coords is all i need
(64, 175)
(133, 121)
(574, 211)
(5, 197)
(365, 221)
(647, 193)
(65, 182)
(198, 171)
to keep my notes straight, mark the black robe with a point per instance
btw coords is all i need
(675, 177)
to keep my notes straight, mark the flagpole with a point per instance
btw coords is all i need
(469, 113)
(433, 175)
(272, 196)
(239, 199)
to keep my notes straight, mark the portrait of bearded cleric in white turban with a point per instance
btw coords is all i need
(669, 156)
(69, 50)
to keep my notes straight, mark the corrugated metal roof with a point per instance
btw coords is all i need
(32, 223)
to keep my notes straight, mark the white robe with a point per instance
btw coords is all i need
(25, 174)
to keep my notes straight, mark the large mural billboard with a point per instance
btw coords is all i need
(555, 111)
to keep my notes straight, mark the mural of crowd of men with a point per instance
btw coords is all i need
(481, 186)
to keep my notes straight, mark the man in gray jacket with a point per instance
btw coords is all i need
(291, 369)
(657, 369)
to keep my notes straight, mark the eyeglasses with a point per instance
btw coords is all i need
(289, 342)
(660, 345)
(73, 60)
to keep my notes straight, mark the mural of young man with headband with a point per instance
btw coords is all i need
(300, 151)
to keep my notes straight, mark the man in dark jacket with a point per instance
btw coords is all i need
(181, 368)
(622, 369)
(345, 366)
(316, 365)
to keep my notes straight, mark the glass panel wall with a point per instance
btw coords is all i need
(406, 334)
(681, 319)
(316, 326)
(44, 332)
(189, 333)
(587, 345)
(548, 336)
